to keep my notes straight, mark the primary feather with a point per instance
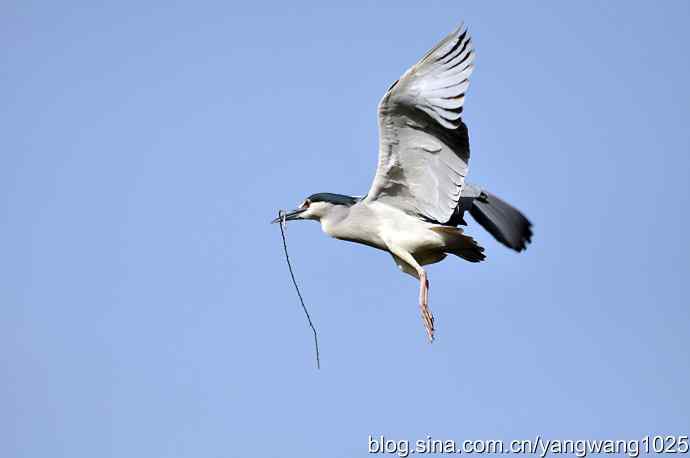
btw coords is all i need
(424, 146)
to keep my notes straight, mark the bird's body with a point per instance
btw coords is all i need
(381, 226)
(419, 194)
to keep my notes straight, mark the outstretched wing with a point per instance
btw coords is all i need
(423, 145)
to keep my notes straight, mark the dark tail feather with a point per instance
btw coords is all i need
(505, 223)
(460, 244)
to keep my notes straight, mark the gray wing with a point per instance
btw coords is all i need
(423, 145)
(504, 222)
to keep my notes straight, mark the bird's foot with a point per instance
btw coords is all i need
(427, 316)
(428, 320)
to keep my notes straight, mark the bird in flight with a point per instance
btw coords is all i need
(419, 195)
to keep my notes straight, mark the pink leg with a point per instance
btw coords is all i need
(408, 260)
(427, 317)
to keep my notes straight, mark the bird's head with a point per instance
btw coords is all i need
(318, 206)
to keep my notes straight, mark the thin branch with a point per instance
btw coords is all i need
(281, 215)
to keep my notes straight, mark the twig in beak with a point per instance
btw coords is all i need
(283, 228)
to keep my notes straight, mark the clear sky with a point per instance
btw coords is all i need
(146, 309)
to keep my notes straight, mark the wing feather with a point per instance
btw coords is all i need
(424, 146)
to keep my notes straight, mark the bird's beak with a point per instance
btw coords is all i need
(294, 214)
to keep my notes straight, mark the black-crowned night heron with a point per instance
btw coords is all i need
(419, 195)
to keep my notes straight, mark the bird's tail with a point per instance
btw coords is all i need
(460, 244)
(504, 222)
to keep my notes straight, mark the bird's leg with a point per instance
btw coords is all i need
(416, 270)
(427, 316)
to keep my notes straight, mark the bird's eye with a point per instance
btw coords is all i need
(305, 204)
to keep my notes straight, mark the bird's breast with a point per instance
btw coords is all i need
(358, 227)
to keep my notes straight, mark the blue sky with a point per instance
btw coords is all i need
(146, 309)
